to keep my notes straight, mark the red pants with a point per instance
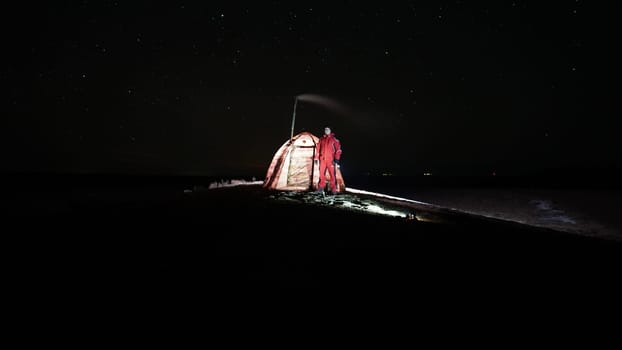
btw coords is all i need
(328, 166)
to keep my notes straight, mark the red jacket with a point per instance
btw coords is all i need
(328, 149)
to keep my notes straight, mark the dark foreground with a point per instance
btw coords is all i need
(161, 242)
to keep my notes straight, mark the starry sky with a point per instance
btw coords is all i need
(208, 87)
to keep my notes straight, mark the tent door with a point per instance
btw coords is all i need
(300, 168)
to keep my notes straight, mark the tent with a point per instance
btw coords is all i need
(292, 167)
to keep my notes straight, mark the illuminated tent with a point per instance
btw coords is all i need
(292, 167)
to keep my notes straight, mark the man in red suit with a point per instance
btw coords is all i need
(327, 154)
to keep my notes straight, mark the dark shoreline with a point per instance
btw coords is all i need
(595, 178)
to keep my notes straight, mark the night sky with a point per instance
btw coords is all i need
(208, 87)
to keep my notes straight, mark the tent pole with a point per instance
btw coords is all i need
(291, 135)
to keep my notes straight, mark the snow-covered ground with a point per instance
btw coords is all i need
(585, 212)
(233, 183)
(591, 212)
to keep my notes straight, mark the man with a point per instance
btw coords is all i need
(327, 155)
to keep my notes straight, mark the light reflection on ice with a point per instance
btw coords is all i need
(353, 190)
(547, 213)
(378, 210)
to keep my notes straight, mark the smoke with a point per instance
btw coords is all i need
(363, 118)
(327, 102)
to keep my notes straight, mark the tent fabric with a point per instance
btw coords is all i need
(292, 167)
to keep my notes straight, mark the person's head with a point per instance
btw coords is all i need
(327, 130)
